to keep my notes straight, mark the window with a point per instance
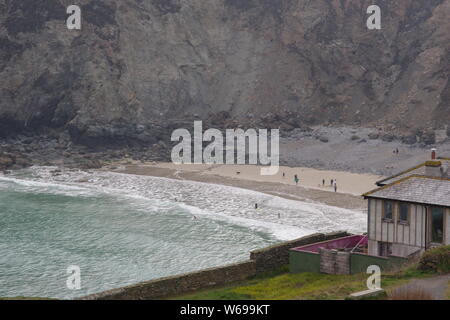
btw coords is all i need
(404, 212)
(388, 210)
(384, 249)
(437, 225)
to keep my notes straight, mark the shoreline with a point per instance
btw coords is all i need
(350, 185)
(291, 214)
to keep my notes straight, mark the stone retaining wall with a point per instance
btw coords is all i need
(179, 284)
(260, 261)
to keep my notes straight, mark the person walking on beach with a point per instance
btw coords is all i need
(256, 206)
(296, 179)
(335, 186)
(323, 183)
(332, 182)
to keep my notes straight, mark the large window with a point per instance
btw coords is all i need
(404, 212)
(388, 210)
(437, 225)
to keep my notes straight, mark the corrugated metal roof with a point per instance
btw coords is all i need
(418, 189)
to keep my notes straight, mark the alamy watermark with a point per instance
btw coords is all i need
(374, 281)
(74, 280)
(231, 150)
(74, 20)
(374, 21)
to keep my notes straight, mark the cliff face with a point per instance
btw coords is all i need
(138, 66)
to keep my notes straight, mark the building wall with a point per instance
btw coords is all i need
(301, 261)
(340, 262)
(406, 238)
(360, 262)
(334, 262)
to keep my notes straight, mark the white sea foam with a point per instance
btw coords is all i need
(285, 219)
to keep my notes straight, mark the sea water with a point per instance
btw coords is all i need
(122, 229)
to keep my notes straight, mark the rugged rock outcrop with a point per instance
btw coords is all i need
(13, 161)
(138, 68)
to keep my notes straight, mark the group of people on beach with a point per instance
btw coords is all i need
(333, 184)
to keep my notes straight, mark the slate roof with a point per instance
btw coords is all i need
(416, 189)
(417, 170)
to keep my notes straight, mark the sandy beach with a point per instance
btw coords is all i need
(350, 186)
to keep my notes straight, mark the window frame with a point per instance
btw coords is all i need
(408, 212)
(432, 225)
(391, 218)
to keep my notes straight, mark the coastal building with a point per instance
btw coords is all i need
(410, 212)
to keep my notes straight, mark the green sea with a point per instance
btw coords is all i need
(122, 229)
(115, 240)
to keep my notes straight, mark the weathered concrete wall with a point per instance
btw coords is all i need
(334, 262)
(327, 261)
(260, 261)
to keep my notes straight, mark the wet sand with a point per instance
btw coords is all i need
(310, 188)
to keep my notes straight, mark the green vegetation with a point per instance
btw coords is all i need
(436, 260)
(281, 285)
(433, 163)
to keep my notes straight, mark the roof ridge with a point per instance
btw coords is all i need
(402, 173)
(403, 180)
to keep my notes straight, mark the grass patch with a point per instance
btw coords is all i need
(281, 285)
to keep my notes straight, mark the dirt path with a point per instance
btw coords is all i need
(436, 286)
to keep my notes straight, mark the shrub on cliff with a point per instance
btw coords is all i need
(436, 260)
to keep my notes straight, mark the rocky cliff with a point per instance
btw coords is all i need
(139, 67)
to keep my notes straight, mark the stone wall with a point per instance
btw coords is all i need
(180, 284)
(260, 261)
